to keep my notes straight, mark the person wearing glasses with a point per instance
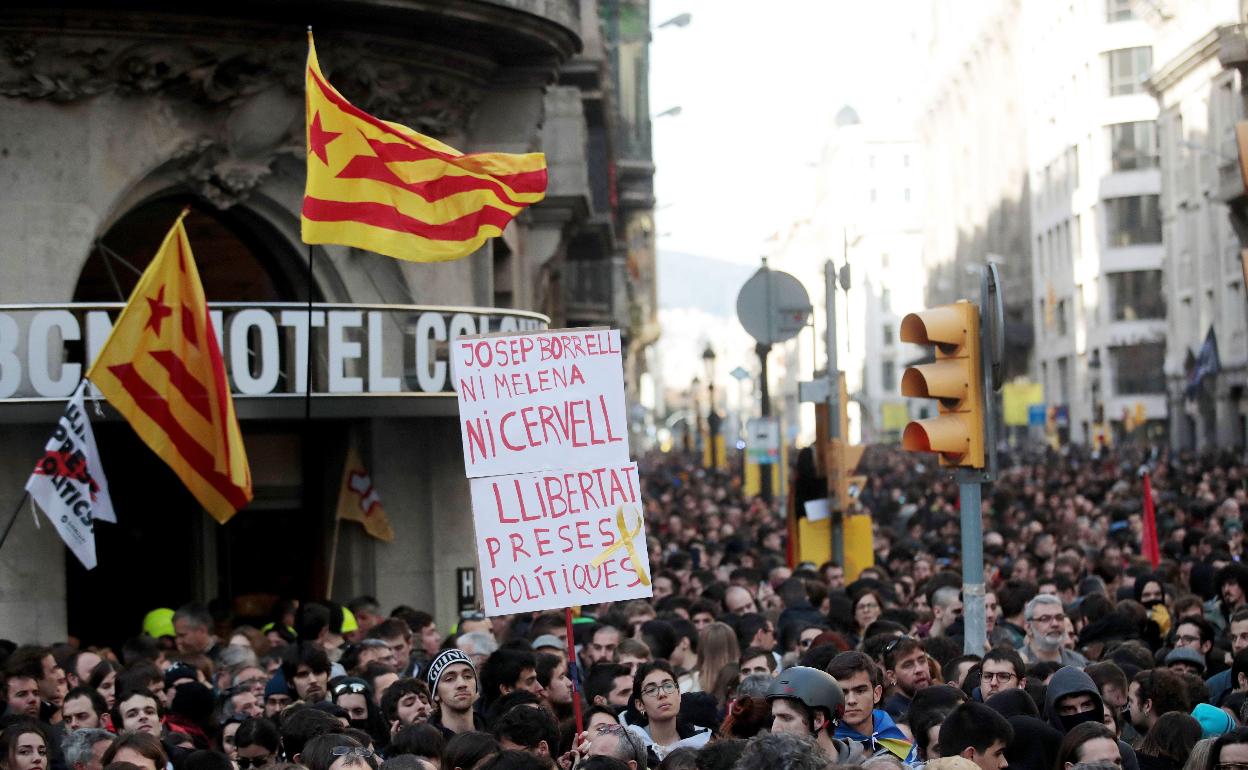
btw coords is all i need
(1002, 669)
(653, 715)
(255, 744)
(1046, 632)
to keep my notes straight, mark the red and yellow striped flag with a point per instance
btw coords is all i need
(380, 186)
(161, 368)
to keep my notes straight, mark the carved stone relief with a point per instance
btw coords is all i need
(243, 102)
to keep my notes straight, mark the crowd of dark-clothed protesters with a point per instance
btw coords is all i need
(745, 658)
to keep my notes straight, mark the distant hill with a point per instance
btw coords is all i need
(706, 283)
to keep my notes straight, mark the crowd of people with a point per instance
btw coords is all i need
(743, 659)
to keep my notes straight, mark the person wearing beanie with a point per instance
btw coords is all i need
(1185, 660)
(1214, 722)
(276, 696)
(453, 681)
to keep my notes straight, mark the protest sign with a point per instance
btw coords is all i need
(560, 538)
(539, 401)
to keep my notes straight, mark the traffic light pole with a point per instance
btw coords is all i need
(974, 613)
(834, 407)
(974, 616)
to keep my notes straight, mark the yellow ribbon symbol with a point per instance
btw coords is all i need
(625, 542)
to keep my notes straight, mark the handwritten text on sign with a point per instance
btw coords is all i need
(560, 538)
(540, 401)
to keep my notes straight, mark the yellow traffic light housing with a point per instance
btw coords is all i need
(955, 379)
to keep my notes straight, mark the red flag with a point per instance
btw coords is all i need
(1150, 547)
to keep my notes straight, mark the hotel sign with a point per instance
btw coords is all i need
(356, 349)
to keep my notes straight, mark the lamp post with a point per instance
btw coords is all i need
(696, 412)
(687, 439)
(1098, 409)
(712, 417)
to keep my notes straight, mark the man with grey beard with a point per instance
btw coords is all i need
(1046, 627)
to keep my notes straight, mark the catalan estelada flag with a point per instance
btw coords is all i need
(380, 186)
(161, 368)
(359, 501)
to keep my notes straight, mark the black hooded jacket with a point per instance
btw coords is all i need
(1036, 742)
(1071, 681)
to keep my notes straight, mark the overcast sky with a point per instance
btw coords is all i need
(758, 85)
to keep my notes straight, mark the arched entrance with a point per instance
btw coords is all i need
(240, 257)
(165, 550)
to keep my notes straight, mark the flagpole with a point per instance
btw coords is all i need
(307, 391)
(17, 510)
(333, 558)
(574, 672)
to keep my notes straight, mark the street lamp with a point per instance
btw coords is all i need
(712, 417)
(679, 20)
(696, 412)
(1098, 408)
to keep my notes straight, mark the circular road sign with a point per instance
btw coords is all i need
(773, 306)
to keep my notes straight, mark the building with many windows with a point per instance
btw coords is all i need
(1202, 283)
(1096, 223)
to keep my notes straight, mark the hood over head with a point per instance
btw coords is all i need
(1012, 703)
(1066, 682)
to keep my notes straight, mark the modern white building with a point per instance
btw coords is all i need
(1096, 223)
(1203, 283)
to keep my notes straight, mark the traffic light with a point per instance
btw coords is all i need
(955, 379)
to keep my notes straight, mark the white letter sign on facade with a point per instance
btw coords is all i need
(396, 350)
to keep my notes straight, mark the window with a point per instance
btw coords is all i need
(1139, 368)
(1118, 10)
(905, 161)
(1063, 378)
(1133, 220)
(1076, 246)
(886, 300)
(873, 195)
(1062, 327)
(1133, 145)
(1128, 69)
(888, 375)
(907, 195)
(887, 334)
(1137, 295)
